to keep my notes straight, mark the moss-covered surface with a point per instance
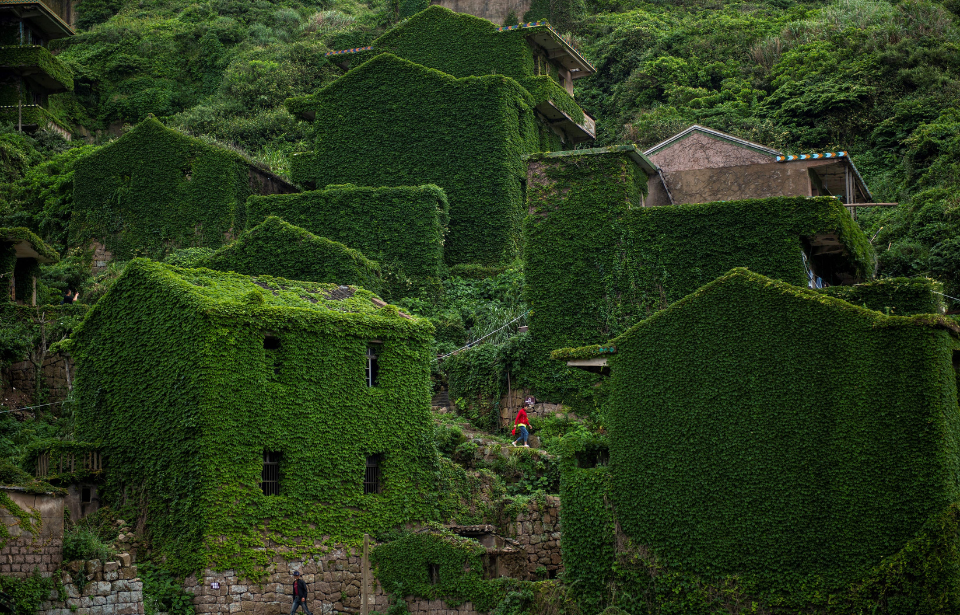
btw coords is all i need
(281, 250)
(30, 56)
(390, 122)
(175, 375)
(894, 296)
(789, 439)
(401, 228)
(154, 190)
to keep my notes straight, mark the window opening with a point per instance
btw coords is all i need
(433, 573)
(593, 457)
(373, 365)
(85, 497)
(371, 476)
(271, 344)
(270, 478)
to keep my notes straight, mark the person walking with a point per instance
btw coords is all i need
(523, 424)
(299, 594)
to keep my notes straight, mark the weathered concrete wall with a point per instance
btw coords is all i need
(24, 551)
(19, 381)
(110, 588)
(493, 10)
(755, 181)
(699, 151)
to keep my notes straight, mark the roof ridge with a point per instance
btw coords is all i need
(715, 133)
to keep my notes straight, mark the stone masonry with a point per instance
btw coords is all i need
(38, 547)
(333, 586)
(19, 381)
(538, 533)
(108, 588)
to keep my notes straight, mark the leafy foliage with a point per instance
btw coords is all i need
(401, 228)
(281, 250)
(810, 481)
(597, 263)
(155, 189)
(188, 405)
(465, 135)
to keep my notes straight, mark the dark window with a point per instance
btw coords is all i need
(373, 365)
(433, 573)
(85, 495)
(271, 347)
(270, 479)
(593, 456)
(371, 475)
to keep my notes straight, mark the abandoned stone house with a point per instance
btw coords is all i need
(821, 440)
(701, 165)
(645, 258)
(261, 398)
(452, 100)
(154, 190)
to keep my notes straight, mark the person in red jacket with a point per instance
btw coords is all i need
(299, 594)
(523, 424)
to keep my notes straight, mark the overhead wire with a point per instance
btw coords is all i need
(477, 341)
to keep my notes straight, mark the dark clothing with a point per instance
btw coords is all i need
(298, 602)
(299, 597)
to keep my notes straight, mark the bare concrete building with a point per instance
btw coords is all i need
(702, 165)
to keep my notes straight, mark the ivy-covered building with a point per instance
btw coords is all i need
(256, 415)
(21, 253)
(597, 260)
(282, 250)
(761, 432)
(29, 73)
(401, 228)
(452, 100)
(155, 190)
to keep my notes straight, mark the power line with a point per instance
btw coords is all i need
(475, 342)
(33, 407)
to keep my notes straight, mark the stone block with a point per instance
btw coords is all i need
(99, 600)
(135, 586)
(93, 567)
(111, 576)
(127, 609)
(111, 566)
(238, 589)
(128, 573)
(103, 588)
(235, 607)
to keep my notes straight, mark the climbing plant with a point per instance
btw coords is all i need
(790, 439)
(188, 376)
(401, 228)
(282, 250)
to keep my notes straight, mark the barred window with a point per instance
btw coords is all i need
(270, 478)
(371, 477)
(433, 573)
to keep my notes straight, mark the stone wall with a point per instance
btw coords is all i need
(27, 551)
(509, 404)
(19, 381)
(438, 607)
(333, 586)
(110, 588)
(537, 532)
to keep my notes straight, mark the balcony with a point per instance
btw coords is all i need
(37, 65)
(54, 17)
(33, 117)
(570, 129)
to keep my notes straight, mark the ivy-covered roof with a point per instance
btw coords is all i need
(217, 291)
(28, 245)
